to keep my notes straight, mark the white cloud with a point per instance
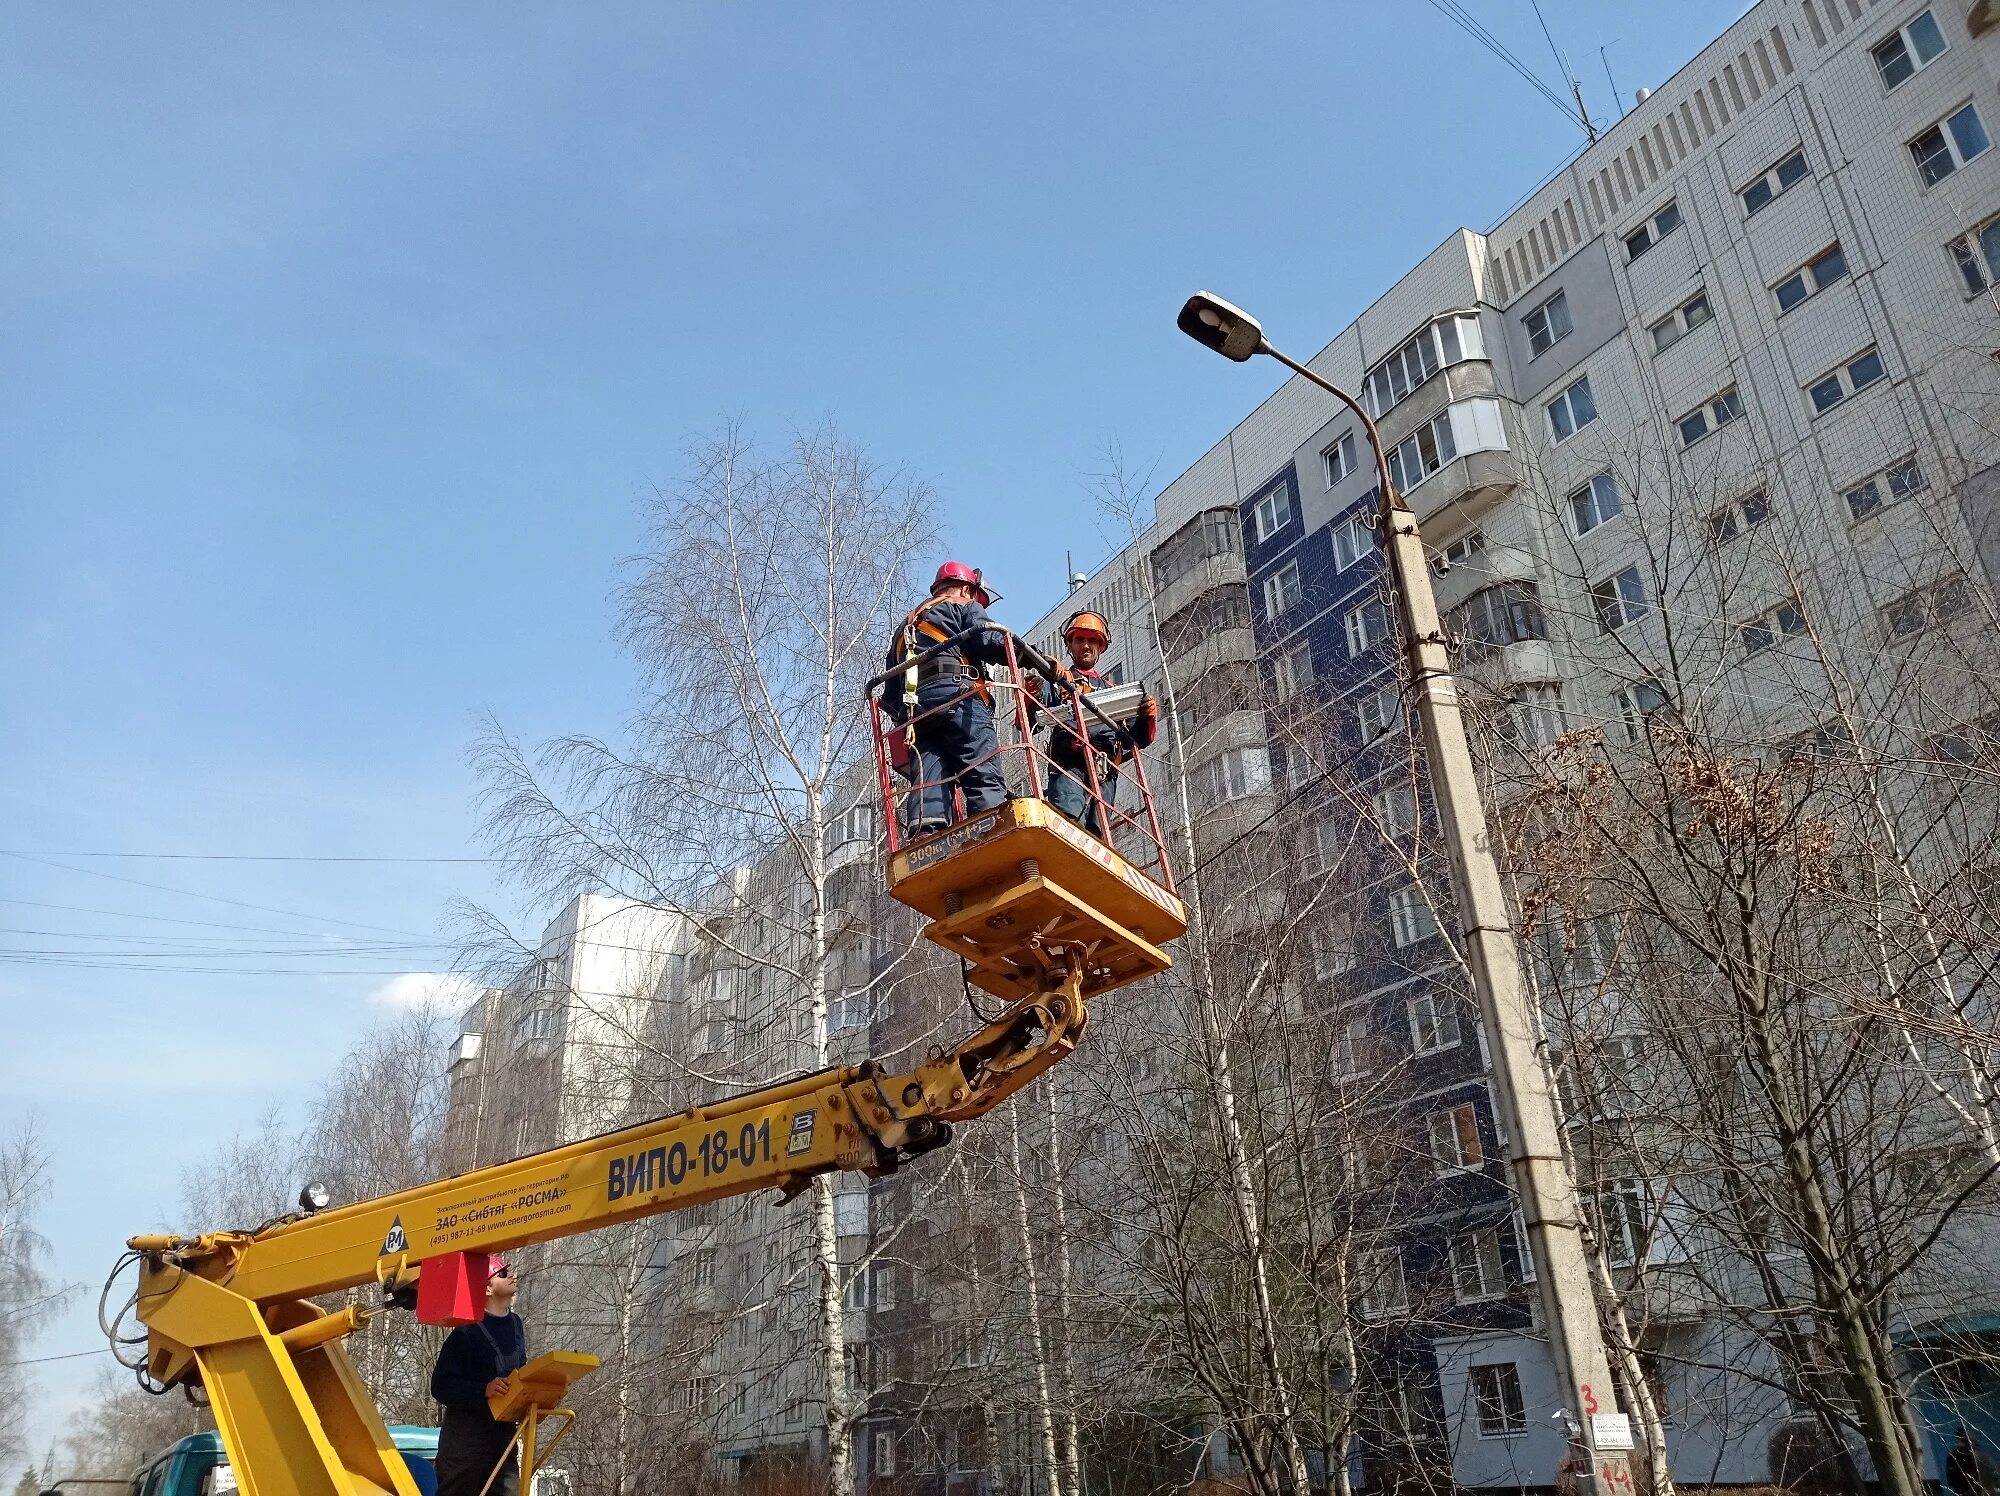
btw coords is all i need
(444, 990)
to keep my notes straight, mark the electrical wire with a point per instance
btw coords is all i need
(233, 856)
(215, 898)
(1459, 16)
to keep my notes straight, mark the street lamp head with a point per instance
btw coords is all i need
(1214, 323)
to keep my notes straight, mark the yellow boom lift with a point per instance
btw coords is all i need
(1044, 915)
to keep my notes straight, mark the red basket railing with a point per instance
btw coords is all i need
(1024, 763)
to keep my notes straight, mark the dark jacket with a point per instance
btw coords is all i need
(474, 1355)
(986, 647)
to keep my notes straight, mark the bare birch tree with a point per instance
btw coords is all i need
(761, 606)
(30, 1294)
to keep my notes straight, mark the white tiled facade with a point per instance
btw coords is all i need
(1792, 77)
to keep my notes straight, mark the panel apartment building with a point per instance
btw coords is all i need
(1761, 304)
(1724, 382)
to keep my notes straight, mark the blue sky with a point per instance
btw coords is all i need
(341, 344)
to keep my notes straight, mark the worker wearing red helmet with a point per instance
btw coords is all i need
(946, 699)
(1087, 635)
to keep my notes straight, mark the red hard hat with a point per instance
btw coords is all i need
(1088, 622)
(958, 572)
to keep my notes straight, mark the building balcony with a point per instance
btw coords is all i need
(1500, 668)
(1495, 564)
(1235, 824)
(1210, 572)
(1225, 646)
(1468, 485)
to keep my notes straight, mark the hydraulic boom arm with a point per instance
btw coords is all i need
(227, 1308)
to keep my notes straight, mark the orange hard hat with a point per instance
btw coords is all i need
(1087, 622)
(958, 573)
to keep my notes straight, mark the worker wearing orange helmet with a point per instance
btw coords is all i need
(1087, 635)
(946, 700)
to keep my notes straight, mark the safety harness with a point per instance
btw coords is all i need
(918, 626)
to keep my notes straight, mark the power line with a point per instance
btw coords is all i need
(237, 856)
(217, 898)
(102, 1350)
(1455, 12)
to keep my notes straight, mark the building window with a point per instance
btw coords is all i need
(1380, 712)
(1618, 599)
(1339, 459)
(1948, 145)
(855, 824)
(1534, 716)
(1681, 321)
(1907, 48)
(1350, 543)
(1215, 533)
(1625, 1221)
(1271, 513)
(1282, 590)
(1786, 174)
(1460, 552)
(1977, 255)
(1572, 410)
(1830, 740)
(1350, 1047)
(1423, 452)
(1454, 1139)
(850, 1213)
(1855, 375)
(1367, 625)
(1898, 482)
(848, 1010)
(1739, 518)
(1548, 324)
(1914, 612)
(1433, 1023)
(1410, 917)
(1293, 670)
(1636, 705)
(1497, 616)
(1235, 774)
(1447, 341)
(1594, 503)
(881, 1452)
(1333, 945)
(1384, 1290)
(1496, 1393)
(1821, 271)
(1395, 810)
(536, 1022)
(1725, 409)
(1524, 1252)
(1476, 1272)
(1786, 621)
(1652, 231)
(1320, 847)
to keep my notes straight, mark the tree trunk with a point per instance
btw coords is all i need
(1031, 1279)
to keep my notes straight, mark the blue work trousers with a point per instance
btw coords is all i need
(956, 745)
(1069, 791)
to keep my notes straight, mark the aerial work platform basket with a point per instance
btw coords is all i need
(1003, 885)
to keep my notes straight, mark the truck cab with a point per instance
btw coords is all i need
(196, 1465)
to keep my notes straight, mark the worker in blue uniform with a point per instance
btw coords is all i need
(945, 701)
(1086, 636)
(472, 1366)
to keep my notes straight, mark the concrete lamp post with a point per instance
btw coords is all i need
(1541, 1175)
